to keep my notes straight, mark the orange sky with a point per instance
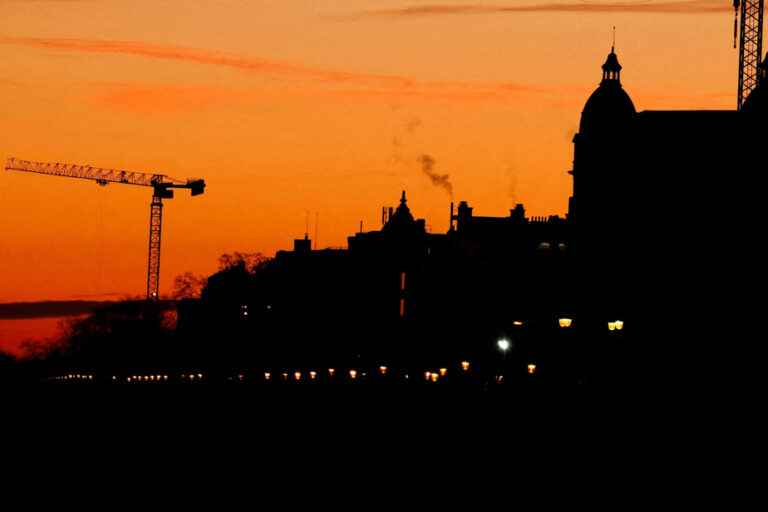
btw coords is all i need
(294, 106)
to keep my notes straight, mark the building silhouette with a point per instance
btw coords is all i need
(655, 258)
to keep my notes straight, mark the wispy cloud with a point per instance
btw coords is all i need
(348, 84)
(209, 57)
(679, 7)
(295, 79)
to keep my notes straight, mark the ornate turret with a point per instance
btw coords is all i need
(401, 220)
(612, 68)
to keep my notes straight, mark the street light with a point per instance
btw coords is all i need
(503, 344)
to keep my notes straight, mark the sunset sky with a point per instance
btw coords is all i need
(295, 108)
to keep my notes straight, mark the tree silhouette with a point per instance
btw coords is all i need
(188, 286)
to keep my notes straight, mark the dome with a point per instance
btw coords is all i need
(610, 104)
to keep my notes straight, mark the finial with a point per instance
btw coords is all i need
(613, 44)
(402, 198)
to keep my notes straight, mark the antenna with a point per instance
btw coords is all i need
(613, 44)
(317, 222)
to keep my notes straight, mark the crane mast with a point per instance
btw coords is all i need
(750, 44)
(162, 188)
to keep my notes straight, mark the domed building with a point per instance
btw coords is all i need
(606, 119)
(663, 203)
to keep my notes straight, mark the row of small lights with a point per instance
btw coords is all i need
(353, 374)
(71, 376)
(144, 378)
(297, 375)
(503, 344)
(429, 376)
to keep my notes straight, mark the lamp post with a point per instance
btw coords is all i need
(504, 345)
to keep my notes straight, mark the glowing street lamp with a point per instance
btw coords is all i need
(503, 345)
(465, 366)
(313, 375)
(383, 370)
(267, 375)
(443, 371)
(331, 372)
(297, 375)
(531, 369)
(353, 374)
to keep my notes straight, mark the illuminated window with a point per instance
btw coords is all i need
(402, 281)
(402, 308)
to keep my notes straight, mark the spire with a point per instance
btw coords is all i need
(402, 199)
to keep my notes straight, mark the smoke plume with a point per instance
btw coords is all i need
(439, 180)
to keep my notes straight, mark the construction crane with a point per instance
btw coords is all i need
(162, 188)
(750, 39)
